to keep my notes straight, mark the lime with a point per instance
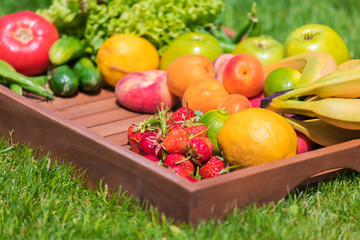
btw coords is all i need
(281, 79)
(214, 120)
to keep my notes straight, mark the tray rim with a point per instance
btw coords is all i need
(195, 190)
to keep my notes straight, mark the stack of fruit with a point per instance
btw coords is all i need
(182, 142)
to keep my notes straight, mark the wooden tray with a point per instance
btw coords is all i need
(90, 131)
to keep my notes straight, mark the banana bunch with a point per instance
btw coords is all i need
(328, 96)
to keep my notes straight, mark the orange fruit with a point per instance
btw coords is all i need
(235, 103)
(280, 79)
(185, 70)
(255, 136)
(204, 95)
(124, 53)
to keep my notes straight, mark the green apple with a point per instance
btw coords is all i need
(191, 43)
(265, 48)
(316, 37)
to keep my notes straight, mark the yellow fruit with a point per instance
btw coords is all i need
(256, 135)
(124, 53)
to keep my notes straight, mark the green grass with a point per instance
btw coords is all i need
(39, 201)
(42, 202)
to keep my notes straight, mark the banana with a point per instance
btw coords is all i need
(312, 65)
(322, 132)
(352, 63)
(340, 112)
(343, 83)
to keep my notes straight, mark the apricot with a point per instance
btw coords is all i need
(186, 70)
(204, 95)
(235, 103)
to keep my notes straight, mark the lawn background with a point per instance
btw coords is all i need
(39, 202)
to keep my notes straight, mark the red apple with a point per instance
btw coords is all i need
(220, 63)
(142, 91)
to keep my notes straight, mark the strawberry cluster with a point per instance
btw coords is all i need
(177, 142)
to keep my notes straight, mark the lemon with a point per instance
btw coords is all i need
(124, 53)
(255, 136)
(214, 120)
(281, 79)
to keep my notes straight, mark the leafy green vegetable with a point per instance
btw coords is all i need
(159, 21)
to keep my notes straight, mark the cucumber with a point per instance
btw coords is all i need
(65, 49)
(89, 75)
(63, 81)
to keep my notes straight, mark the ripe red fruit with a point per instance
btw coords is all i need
(175, 141)
(171, 159)
(200, 149)
(198, 129)
(183, 172)
(152, 158)
(175, 159)
(191, 179)
(212, 168)
(149, 144)
(180, 116)
(134, 141)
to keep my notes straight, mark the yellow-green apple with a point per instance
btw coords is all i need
(265, 48)
(319, 38)
(142, 91)
(191, 43)
(219, 65)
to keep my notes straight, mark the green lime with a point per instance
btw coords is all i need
(214, 120)
(281, 79)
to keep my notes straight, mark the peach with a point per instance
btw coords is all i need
(141, 91)
(244, 74)
(255, 101)
(304, 143)
(220, 63)
(186, 70)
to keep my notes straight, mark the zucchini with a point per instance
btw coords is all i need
(63, 81)
(89, 75)
(65, 49)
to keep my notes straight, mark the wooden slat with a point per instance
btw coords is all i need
(89, 108)
(117, 126)
(105, 117)
(80, 98)
(119, 138)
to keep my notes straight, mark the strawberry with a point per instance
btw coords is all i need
(180, 116)
(175, 159)
(171, 159)
(200, 149)
(183, 172)
(197, 129)
(212, 168)
(134, 141)
(191, 179)
(152, 158)
(175, 141)
(149, 144)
